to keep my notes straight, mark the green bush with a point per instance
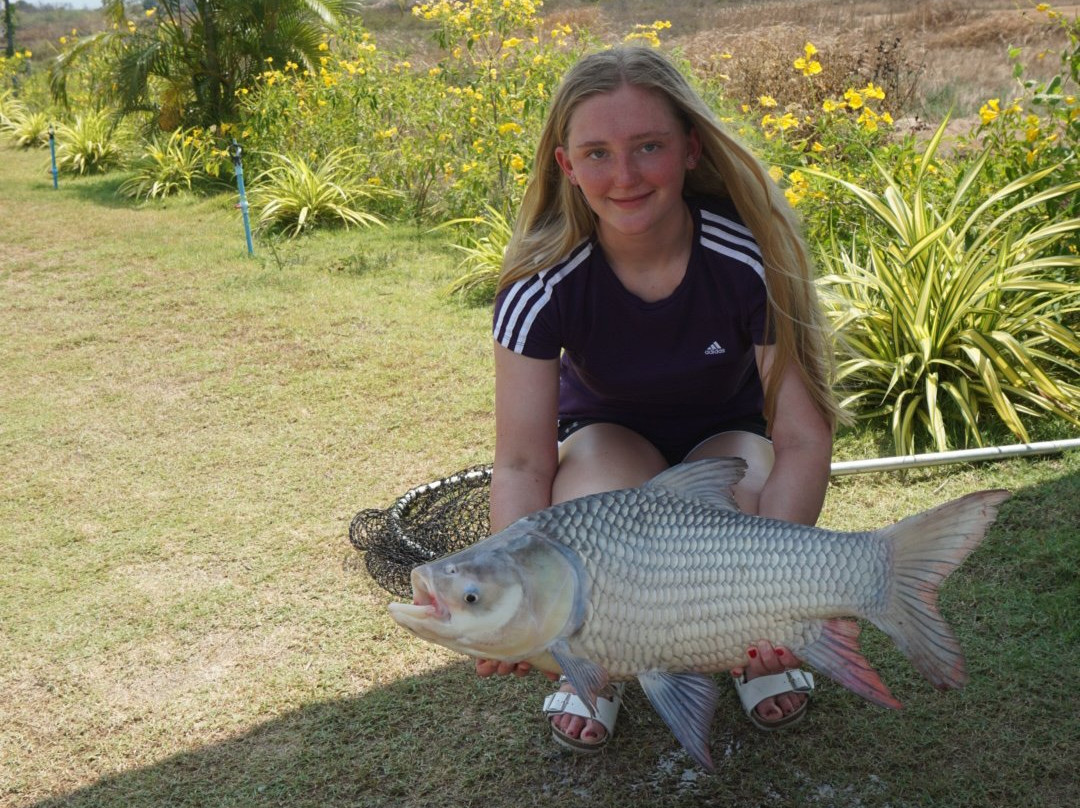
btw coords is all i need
(293, 196)
(952, 308)
(90, 145)
(179, 162)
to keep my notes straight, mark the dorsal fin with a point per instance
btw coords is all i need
(709, 480)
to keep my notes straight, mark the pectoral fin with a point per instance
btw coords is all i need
(587, 678)
(686, 702)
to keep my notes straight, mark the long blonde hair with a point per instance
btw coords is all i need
(555, 217)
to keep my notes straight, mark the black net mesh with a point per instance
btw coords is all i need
(423, 524)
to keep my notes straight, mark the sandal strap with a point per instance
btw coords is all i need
(752, 693)
(607, 708)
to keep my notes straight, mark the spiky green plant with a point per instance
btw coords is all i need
(25, 128)
(960, 309)
(167, 166)
(90, 145)
(483, 254)
(9, 107)
(293, 196)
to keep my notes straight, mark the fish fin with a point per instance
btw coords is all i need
(686, 702)
(925, 548)
(586, 677)
(836, 654)
(709, 480)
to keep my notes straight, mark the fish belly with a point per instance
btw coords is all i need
(676, 586)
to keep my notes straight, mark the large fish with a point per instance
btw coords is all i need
(670, 582)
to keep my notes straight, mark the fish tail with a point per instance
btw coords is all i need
(925, 549)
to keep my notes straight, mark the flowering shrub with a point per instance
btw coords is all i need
(451, 136)
(1040, 126)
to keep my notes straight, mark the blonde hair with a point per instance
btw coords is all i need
(555, 217)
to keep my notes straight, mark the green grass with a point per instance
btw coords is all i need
(186, 433)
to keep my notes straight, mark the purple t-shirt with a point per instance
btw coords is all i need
(672, 369)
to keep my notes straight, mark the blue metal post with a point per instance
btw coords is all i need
(52, 154)
(235, 151)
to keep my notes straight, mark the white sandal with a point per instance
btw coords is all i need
(607, 710)
(752, 693)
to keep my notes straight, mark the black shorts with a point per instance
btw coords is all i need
(673, 452)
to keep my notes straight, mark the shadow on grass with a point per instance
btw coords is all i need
(448, 738)
(101, 189)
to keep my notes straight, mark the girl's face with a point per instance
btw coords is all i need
(628, 153)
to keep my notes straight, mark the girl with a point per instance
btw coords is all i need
(656, 306)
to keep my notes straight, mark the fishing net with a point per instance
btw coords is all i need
(423, 524)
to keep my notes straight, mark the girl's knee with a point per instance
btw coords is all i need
(604, 457)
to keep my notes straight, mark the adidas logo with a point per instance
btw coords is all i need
(715, 349)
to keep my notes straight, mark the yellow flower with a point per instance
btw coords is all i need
(776, 173)
(323, 46)
(990, 110)
(63, 40)
(808, 68)
(828, 105)
(873, 91)
(767, 101)
(150, 12)
(806, 63)
(817, 147)
(517, 163)
(1043, 7)
(853, 98)
(507, 128)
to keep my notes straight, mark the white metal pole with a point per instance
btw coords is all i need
(958, 456)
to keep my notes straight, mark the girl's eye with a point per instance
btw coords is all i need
(649, 148)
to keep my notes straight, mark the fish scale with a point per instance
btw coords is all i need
(669, 583)
(647, 577)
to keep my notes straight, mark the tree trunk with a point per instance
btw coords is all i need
(9, 27)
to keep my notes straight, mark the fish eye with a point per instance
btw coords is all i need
(471, 596)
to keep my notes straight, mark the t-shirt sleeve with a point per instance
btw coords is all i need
(525, 320)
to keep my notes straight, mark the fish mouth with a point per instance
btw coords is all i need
(425, 605)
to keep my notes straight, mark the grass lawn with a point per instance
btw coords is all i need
(185, 434)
